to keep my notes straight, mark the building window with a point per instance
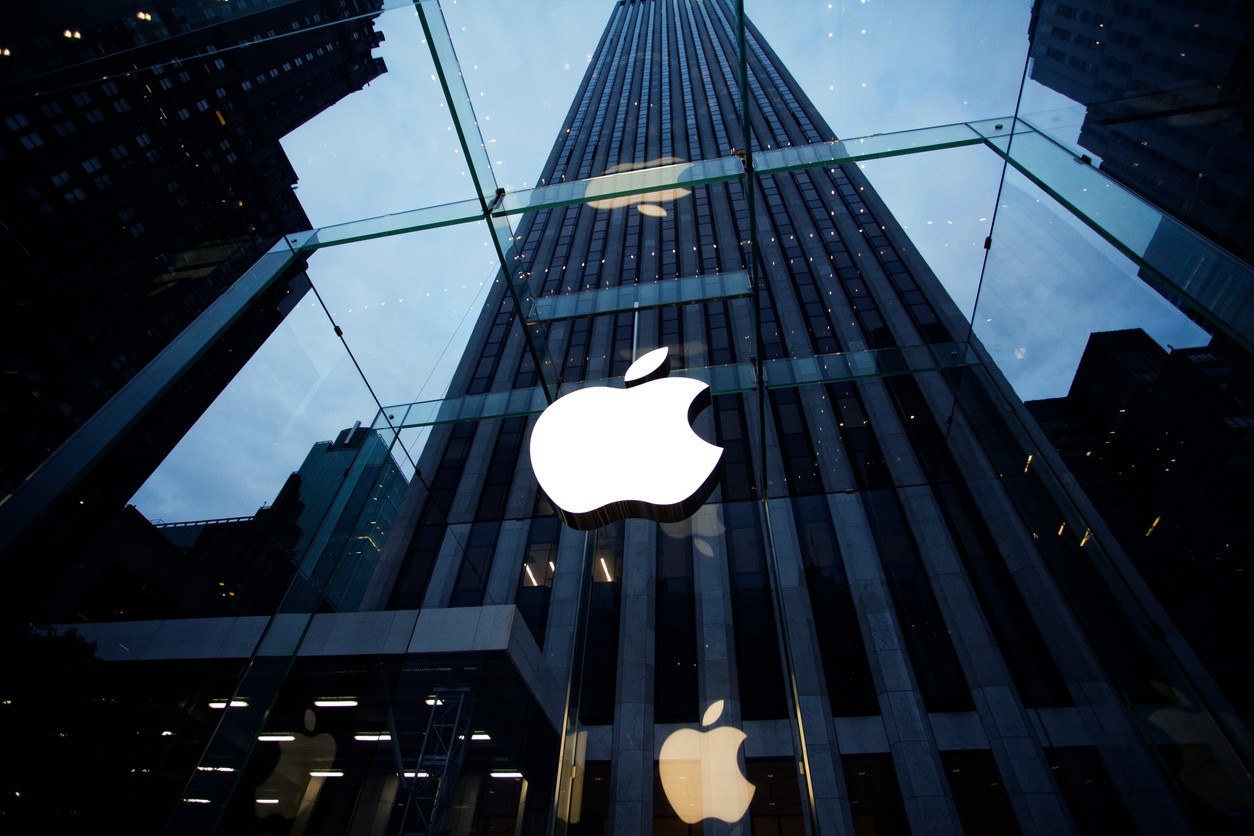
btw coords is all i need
(167, 83)
(94, 116)
(61, 179)
(91, 165)
(121, 105)
(32, 140)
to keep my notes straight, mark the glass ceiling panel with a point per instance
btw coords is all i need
(1050, 282)
(724, 380)
(389, 147)
(878, 67)
(719, 286)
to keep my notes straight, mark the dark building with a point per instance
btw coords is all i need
(891, 615)
(339, 542)
(1163, 443)
(1169, 95)
(141, 161)
(326, 524)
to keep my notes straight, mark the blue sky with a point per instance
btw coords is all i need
(405, 304)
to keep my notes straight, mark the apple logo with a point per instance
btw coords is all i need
(646, 204)
(701, 775)
(603, 454)
(291, 783)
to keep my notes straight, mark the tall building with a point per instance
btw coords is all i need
(1161, 442)
(1167, 96)
(891, 615)
(140, 152)
(334, 482)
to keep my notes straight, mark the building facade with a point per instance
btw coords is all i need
(892, 615)
(1166, 91)
(141, 155)
(1160, 441)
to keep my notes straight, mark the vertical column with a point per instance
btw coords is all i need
(631, 796)
(447, 562)
(559, 633)
(716, 642)
(1026, 775)
(507, 561)
(915, 757)
(817, 730)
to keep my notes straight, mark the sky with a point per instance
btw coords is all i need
(405, 304)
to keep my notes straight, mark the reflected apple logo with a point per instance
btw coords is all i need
(604, 454)
(646, 204)
(701, 773)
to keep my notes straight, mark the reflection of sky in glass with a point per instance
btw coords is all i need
(405, 304)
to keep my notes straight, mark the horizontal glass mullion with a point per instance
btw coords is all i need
(724, 380)
(605, 192)
(876, 146)
(1183, 264)
(414, 220)
(853, 365)
(709, 288)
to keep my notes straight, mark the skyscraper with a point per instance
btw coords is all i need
(141, 154)
(891, 615)
(1160, 442)
(1167, 102)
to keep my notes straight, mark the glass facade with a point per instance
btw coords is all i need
(908, 604)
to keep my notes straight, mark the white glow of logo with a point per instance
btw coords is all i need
(701, 773)
(604, 454)
(646, 204)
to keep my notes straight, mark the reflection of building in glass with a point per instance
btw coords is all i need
(349, 489)
(1163, 443)
(1167, 90)
(329, 519)
(887, 618)
(143, 171)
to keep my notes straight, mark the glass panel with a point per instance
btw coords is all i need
(412, 221)
(1152, 103)
(966, 61)
(864, 148)
(503, 669)
(1049, 283)
(390, 147)
(712, 288)
(1187, 268)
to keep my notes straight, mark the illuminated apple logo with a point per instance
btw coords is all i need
(646, 204)
(701, 773)
(604, 454)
